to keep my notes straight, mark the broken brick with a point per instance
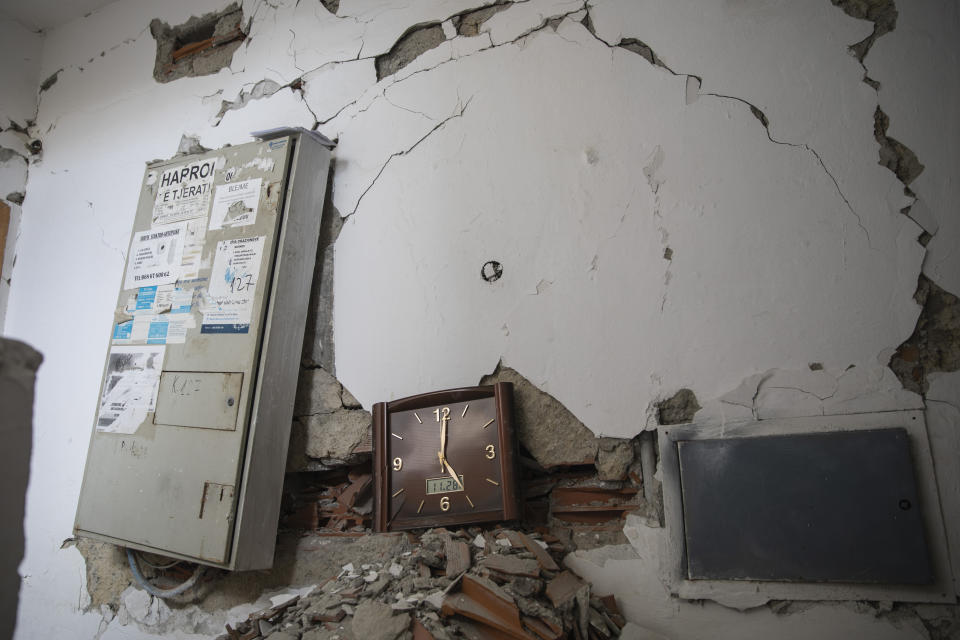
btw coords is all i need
(511, 565)
(564, 588)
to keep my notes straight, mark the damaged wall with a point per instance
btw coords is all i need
(678, 196)
(20, 50)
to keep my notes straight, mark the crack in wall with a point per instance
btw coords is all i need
(647, 53)
(461, 109)
(103, 235)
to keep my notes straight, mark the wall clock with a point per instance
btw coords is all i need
(445, 458)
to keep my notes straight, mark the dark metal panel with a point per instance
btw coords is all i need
(827, 507)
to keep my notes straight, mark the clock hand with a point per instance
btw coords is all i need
(453, 474)
(442, 454)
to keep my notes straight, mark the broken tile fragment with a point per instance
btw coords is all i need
(458, 557)
(564, 588)
(512, 565)
(543, 558)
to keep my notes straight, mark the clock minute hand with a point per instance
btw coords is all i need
(453, 474)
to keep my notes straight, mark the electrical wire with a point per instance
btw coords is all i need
(156, 591)
(159, 567)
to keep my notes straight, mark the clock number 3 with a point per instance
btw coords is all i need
(397, 464)
(491, 452)
(444, 503)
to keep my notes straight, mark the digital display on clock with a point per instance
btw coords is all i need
(443, 485)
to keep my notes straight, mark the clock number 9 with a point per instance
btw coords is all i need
(491, 452)
(445, 503)
(397, 464)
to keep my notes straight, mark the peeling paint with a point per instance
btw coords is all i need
(935, 344)
(408, 47)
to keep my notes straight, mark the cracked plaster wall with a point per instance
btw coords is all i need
(20, 51)
(718, 222)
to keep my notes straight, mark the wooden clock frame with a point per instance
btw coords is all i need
(502, 393)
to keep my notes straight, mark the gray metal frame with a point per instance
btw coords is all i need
(744, 593)
(258, 509)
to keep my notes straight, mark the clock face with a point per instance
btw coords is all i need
(444, 462)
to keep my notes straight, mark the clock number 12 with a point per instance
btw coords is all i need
(442, 414)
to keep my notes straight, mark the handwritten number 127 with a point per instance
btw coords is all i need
(241, 283)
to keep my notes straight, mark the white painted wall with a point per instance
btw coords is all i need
(20, 52)
(572, 163)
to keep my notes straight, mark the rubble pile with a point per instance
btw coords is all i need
(470, 583)
(339, 501)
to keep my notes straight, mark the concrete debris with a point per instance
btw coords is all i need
(144, 608)
(330, 428)
(935, 342)
(317, 392)
(333, 437)
(377, 621)
(614, 458)
(444, 588)
(545, 428)
(679, 408)
(190, 145)
(16, 197)
(318, 340)
(198, 47)
(411, 44)
(894, 155)
(331, 5)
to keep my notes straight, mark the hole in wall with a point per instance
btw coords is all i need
(198, 47)
(491, 271)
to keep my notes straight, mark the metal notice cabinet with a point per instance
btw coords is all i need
(193, 419)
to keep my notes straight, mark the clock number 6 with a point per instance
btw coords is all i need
(397, 464)
(444, 503)
(491, 452)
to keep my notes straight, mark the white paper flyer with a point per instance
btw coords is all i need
(235, 204)
(236, 270)
(155, 256)
(130, 387)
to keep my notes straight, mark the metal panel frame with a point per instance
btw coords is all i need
(738, 591)
(265, 460)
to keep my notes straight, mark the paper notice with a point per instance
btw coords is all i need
(193, 248)
(164, 328)
(183, 191)
(236, 269)
(155, 256)
(235, 204)
(129, 388)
